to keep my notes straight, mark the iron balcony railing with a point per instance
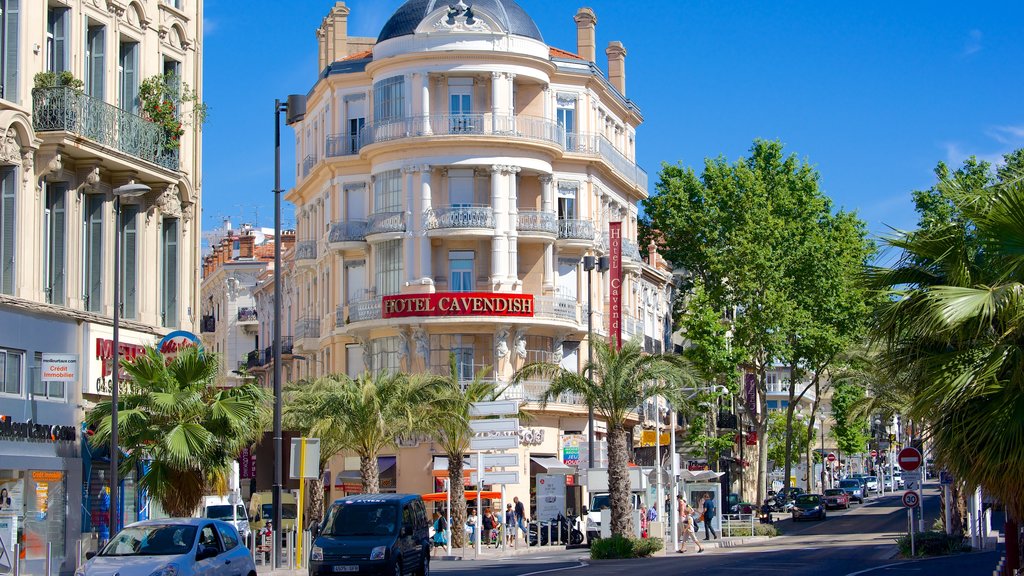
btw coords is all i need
(68, 110)
(305, 250)
(533, 391)
(307, 164)
(783, 388)
(347, 231)
(287, 347)
(599, 145)
(537, 221)
(365, 309)
(569, 229)
(247, 315)
(339, 316)
(520, 127)
(448, 217)
(383, 222)
(208, 324)
(253, 359)
(557, 307)
(307, 328)
(630, 250)
(341, 145)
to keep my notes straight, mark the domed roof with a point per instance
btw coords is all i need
(512, 17)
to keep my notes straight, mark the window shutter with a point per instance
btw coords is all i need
(129, 263)
(60, 39)
(170, 289)
(94, 278)
(58, 241)
(8, 185)
(10, 22)
(96, 47)
(129, 85)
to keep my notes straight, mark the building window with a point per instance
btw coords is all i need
(389, 99)
(11, 362)
(460, 266)
(55, 235)
(92, 279)
(354, 360)
(384, 354)
(565, 116)
(571, 356)
(567, 200)
(9, 45)
(40, 389)
(567, 283)
(460, 105)
(8, 222)
(472, 354)
(355, 281)
(540, 349)
(387, 192)
(57, 39)
(169, 295)
(460, 188)
(129, 261)
(389, 267)
(128, 67)
(94, 60)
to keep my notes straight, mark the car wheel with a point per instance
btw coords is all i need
(424, 566)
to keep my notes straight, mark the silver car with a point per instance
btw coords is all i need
(172, 547)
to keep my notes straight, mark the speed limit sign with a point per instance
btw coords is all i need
(911, 499)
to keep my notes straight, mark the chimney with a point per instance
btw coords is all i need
(287, 240)
(586, 38)
(215, 257)
(617, 65)
(246, 245)
(226, 248)
(332, 35)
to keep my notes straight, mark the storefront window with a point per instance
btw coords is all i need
(32, 513)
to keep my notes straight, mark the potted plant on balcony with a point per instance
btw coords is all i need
(53, 97)
(164, 98)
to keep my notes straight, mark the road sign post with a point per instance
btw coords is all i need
(911, 500)
(910, 460)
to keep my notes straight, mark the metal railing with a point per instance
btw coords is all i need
(307, 328)
(253, 359)
(610, 154)
(305, 250)
(365, 309)
(783, 388)
(287, 347)
(522, 127)
(247, 314)
(339, 316)
(347, 231)
(537, 221)
(341, 145)
(383, 222)
(630, 250)
(558, 307)
(533, 391)
(307, 164)
(570, 229)
(737, 525)
(65, 109)
(448, 217)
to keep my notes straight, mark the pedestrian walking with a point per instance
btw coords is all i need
(709, 516)
(510, 524)
(440, 537)
(643, 521)
(689, 530)
(520, 512)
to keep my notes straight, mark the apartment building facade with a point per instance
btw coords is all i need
(66, 148)
(450, 181)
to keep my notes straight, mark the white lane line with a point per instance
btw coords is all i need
(579, 565)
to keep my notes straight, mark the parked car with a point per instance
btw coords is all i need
(172, 547)
(373, 534)
(808, 506)
(837, 498)
(788, 494)
(872, 483)
(854, 488)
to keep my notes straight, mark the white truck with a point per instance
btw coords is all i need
(599, 511)
(229, 509)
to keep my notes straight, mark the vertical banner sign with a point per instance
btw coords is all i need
(615, 276)
(750, 392)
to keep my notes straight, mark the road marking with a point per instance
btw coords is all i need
(579, 565)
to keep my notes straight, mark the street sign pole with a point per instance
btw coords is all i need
(910, 517)
(479, 489)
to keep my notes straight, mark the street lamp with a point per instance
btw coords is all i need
(295, 109)
(127, 191)
(602, 265)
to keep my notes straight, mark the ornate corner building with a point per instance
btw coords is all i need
(74, 129)
(450, 177)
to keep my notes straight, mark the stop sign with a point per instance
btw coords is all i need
(831, 457)
(874, 453)
(909, 459)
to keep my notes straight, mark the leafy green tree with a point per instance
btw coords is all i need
(777, 425)
(849, 427)
(174, 416)
(622, 380)
(306, 411)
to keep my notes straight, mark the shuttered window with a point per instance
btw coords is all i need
(94, 61)
(388, 265)
(169, 291)
(128, 66)
(8, 221)
(55, 230)
(129, 261)
(57, 39)
(9, 46)
(93, 276)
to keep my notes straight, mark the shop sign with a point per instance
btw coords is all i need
(11, 430)
(615, 281)
(648, 439)
(527, 436)
(457, 304)
(571, 449)
(59, 368)
(246, 464)
(175, 342)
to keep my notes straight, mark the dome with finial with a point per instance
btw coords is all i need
(465, 15)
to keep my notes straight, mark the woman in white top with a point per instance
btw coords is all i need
(689, 531)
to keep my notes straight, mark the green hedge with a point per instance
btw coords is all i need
(766, 530)
(933, 543)
(622, 547)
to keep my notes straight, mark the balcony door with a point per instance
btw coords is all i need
(460, 105)
(460, 188)
(567, 278)
(567, 203)
(128, 70)
(355, 203)
(460, 270)
(355, 280)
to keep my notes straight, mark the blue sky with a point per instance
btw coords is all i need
(873, 94)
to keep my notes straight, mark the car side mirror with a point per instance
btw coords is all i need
(90, 555)
(206, 552)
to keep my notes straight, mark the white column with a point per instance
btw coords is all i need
(413, 222)
(499, 244)
(495, 99)
(425, 101)
(547, 205)
(426, 264)
(510, 92)
(513, 223)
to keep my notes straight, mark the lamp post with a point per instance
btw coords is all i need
(295, 108)
(589, 264)
(127, 191)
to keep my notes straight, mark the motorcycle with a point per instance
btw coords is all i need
(557, 530)
(764, 515)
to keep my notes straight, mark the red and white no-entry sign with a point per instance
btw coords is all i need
(874, 453)
(831, 457)
(909, 459)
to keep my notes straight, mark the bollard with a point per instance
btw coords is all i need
(291, 549)
(559, 532)
(49, 558)
(17, 559)
(275, 549)
(78, 553)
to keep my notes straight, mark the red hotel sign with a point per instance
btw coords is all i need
(457, 304)
(615, 276)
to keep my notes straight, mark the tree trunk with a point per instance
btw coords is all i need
(458, 497)
(369, 472)
(762, 442)
(315, 502)
(811, 438)
(790, 406)
(1012, 536)
(618, 482)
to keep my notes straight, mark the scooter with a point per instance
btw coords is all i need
(556, 530)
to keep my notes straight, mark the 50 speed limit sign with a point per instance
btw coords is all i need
(911, 499)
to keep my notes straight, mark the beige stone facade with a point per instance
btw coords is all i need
(460, 155)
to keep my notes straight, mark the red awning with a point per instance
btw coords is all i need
(470, 495)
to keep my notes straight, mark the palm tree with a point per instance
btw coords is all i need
(446, 419)
(622, 380)
(954, 321)
(177, 419)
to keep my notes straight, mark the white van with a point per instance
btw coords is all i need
(221, 508)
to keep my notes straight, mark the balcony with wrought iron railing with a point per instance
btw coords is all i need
(307, 164)
(557, 308)
(461, 218)
(781, 389)
(254, 359)
(391, 223)
(305, 250)
(517, 127)
(576, 231)
(364, 309)
(64, 109)
(307, 328)
(247, 315)
(537, 223)
(287, 348)
(347, 234)
(601, 146)
(533, 392)
(341, 145)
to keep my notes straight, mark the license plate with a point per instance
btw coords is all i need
(346, 568)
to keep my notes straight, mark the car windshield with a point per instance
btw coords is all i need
(361, 519)
(287, 511)
(849, 484)
(151, 540)
(601, 502)
(835, 492)
(223, 512)
(807, 500)
(872, 479)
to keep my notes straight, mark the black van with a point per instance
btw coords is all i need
(373, 534)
